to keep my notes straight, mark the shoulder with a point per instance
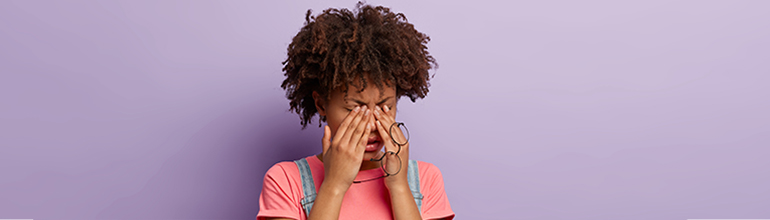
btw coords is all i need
(426, 168)
(284, 168)
(281, 192)
(435, 204)
(282, 182)
(429, 173)
(283, 173)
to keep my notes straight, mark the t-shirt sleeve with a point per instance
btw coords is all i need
(278, 196)
(435, 204)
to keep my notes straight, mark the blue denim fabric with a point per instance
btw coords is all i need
(413, 176)
(308, 186)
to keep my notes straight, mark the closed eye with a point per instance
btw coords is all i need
(381, 102)
(350, 109)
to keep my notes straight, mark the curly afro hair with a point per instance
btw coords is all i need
(339, 48)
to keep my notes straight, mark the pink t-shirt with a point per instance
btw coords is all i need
(282, 192)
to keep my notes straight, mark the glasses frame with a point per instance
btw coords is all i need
(405, 130)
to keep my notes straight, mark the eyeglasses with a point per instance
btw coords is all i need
(399, 143)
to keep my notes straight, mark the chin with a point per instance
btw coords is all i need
(370, 154)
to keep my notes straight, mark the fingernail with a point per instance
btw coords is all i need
(387, 109)
(357, 108)
(367, 112)
(377, 111)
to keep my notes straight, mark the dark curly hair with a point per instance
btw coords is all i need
(338, 47)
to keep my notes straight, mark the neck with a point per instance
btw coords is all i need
(365, 165)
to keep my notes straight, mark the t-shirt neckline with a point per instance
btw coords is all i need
(362, 174)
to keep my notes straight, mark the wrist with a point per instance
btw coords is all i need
(398, 192)
(397, 185)
(334, 188)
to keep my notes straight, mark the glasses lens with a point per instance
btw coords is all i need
(399, 133)
(391, 170)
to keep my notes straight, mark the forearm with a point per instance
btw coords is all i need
(327, 203)
(402, 201)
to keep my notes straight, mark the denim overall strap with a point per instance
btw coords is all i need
(308, 186)
(413, 176)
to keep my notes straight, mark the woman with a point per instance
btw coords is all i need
(351, 68)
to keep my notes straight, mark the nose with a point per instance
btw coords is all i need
(374, 121)
(374, 125)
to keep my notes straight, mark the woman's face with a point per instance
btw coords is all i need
(337, 107)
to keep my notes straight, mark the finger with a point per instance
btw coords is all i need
(357, 134)
(326, 140)
(361, 146)
(351, 127)
(381, 116)
(396, 131)
(387, 140)
(387, 110)
(346, 122)
(389, 123)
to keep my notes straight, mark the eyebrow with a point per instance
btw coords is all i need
(364, 103)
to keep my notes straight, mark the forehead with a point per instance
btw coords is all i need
(372, 91)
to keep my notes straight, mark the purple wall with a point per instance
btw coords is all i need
(570, 110)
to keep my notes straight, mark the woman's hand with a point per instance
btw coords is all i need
(385, 119)
(342, 160)
(342, 155)
(402, 201)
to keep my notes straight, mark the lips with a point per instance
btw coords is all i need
(373, 144)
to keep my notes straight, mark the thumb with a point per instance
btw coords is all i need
(326, 140)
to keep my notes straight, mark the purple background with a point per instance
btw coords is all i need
(547, 110)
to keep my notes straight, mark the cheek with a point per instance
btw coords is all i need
(334, 121)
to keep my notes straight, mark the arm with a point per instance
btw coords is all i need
(328, 201)
(342, 160)
(403, 204)
(401, 197)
